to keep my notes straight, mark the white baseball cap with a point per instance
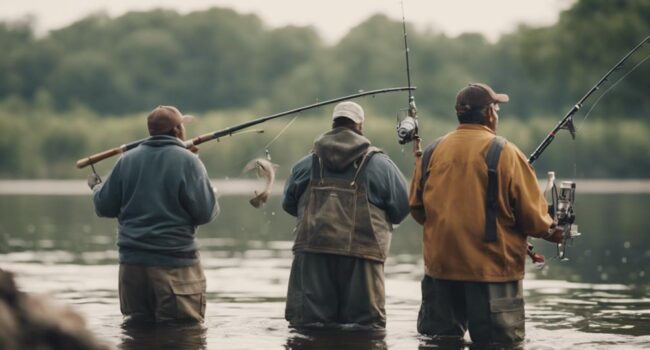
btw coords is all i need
(350, 110)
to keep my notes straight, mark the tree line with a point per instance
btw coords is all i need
(219, 59)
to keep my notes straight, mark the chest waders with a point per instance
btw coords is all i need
(339, 219)
(492, 190)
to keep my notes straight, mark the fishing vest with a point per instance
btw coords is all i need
(492, 188)
(337, 217)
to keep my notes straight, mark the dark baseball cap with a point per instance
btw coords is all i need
(164, 118)
(477, 95)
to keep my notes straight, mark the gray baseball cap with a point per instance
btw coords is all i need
(350, 110)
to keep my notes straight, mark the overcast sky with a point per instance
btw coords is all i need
(332, 18)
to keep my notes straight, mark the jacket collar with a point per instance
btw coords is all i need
(478, 127)
(163, 140)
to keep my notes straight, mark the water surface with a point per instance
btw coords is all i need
(599, 299)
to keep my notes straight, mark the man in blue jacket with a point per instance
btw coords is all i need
(159, 192)
(346, 196)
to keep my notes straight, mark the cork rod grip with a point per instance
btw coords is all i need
(84, 162)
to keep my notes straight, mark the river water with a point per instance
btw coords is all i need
(600, 299)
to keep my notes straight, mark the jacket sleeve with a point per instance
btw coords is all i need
(197, 194)
(392, 188)
(107, 196)
(415, 204)
(296, 185)
(527, 200)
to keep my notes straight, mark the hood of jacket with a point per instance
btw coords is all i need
(340, 147)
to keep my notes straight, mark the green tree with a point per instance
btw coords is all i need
(89, 78)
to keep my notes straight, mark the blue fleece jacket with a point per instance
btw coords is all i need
(159, 192)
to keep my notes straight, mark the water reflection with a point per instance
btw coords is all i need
(57, 246)
(303, 339)
(143, 336)
(450, 343)
(614, 247)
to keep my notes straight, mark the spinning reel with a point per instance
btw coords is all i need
(561, 210)
(407, 128)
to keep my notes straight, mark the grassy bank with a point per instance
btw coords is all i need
(40, 144)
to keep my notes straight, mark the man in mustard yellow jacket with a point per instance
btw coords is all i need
(476, 225)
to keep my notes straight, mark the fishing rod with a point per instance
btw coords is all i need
(232, 130)
(562, 200)
(407, 128)
(95, 158)
(567, 121)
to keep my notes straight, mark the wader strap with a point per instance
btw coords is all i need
(492, 192)
(426, 159)
(364, 162)
(316, 167)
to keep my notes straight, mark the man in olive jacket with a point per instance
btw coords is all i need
(159, 192)
(474, 265)
(346, 195)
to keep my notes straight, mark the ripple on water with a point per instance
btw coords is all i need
(246, 307)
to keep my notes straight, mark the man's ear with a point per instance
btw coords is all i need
(178, 130)
(486, 116)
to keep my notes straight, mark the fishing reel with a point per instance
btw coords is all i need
(407, 128)
(561, 210)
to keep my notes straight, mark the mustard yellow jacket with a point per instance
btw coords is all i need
(452, 209)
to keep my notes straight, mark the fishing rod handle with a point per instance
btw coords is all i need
(198, 140)
(84, 162)
(417, 146)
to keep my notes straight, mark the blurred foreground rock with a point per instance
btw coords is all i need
(33, 322)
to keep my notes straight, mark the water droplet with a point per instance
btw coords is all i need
(626, 245)
(603, 276)
(624, 260)
(599, 268)
(641, 273)
(272, 213)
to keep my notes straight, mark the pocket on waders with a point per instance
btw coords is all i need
(331, 217)
(508, 319)
(190, 300)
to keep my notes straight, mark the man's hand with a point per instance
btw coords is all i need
(194, 149)
(93, 180)
(556, 235)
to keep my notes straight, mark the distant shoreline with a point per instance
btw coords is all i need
(46, 187)
(233, 187)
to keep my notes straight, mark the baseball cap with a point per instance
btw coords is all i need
(163, 119)
(350, 110)
(477, 95)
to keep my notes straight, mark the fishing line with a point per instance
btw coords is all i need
(92, 166)
(266, 148)
(575, 160)
(611, 87)
(575, 148)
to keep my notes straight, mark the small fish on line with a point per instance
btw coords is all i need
(266, 170)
